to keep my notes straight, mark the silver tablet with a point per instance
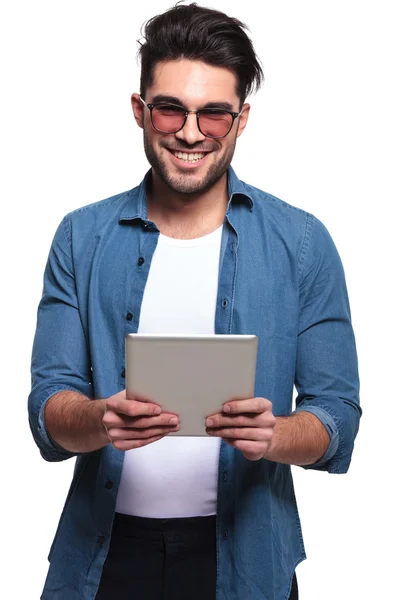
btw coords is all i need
(190, 375)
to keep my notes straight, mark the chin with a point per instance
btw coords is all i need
(187, 184)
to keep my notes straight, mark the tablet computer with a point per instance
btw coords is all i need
(190, 375)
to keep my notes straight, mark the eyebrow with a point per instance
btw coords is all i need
(174, 100)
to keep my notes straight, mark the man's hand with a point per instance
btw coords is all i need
(247, 425)
(135, 423)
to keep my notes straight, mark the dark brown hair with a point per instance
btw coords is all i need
(198, 33)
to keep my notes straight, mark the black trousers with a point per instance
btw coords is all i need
(162, 559)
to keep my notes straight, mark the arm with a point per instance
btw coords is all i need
(300, 439)
(75, 423)
(250, 426)
(60, 357)
(326, 368)
(78, 425)
(64, 418)
(320, 433)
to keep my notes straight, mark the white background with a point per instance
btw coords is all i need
(323, 135)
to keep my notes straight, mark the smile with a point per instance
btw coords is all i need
(189, 157)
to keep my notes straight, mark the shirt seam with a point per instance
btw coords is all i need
(310, 220)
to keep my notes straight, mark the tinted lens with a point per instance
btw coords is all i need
(215, 123)
(167, 118)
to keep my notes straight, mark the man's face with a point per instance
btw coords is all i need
(193, 85)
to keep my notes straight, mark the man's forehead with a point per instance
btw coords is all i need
(194, 79)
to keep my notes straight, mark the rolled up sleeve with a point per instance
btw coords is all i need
(326, 378)
(60, 358)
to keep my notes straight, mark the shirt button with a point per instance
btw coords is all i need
(140, 261)
(129, 316)
(109, 485)
(224, 303)
(225, 476)
(101, 539)
(123, 373)
(225, 534)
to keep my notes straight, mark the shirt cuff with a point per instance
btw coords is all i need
(49, 449)
(332, 430)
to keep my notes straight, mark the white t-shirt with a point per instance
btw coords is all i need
(176, 476)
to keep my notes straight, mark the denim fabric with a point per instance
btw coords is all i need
(280, 278)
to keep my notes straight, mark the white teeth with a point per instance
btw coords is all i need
(192, 157)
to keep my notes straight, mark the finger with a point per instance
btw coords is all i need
(251, 405)
(132, 444)
(262, 420)
(131, 434)
(251, 450)
(221, 420)
(163, 420)
(242, 433)
(132, 408)
(112, 419)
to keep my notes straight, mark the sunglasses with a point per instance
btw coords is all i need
(171, 118)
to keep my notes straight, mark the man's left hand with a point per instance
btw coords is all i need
(247, 425)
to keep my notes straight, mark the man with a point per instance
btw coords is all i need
(191, 250)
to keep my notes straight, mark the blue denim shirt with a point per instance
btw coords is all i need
(281, 279)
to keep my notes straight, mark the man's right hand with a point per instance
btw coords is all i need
(135, 423)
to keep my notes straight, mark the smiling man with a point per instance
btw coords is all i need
(192, 249)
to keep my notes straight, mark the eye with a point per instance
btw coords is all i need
(169, 109)
(216, 114)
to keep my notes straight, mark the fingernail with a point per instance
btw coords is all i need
(227, 408)
(157, 410)
(209, 422)
(173, 421)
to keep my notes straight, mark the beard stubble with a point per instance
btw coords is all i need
(188, 183)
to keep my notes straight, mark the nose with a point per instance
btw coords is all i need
(190, 133)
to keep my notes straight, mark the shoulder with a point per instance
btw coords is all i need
(102, 208)
(98, 218)
(275, 207)
(298, 228)
(280, 218)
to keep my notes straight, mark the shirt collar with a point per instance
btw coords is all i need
(238, 191)
(136, 207)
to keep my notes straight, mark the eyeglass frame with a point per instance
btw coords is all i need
(151, 105)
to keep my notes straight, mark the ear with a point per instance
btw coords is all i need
(138, 109)
(243, 118)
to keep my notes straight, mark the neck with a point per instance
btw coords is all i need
(187, 215)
